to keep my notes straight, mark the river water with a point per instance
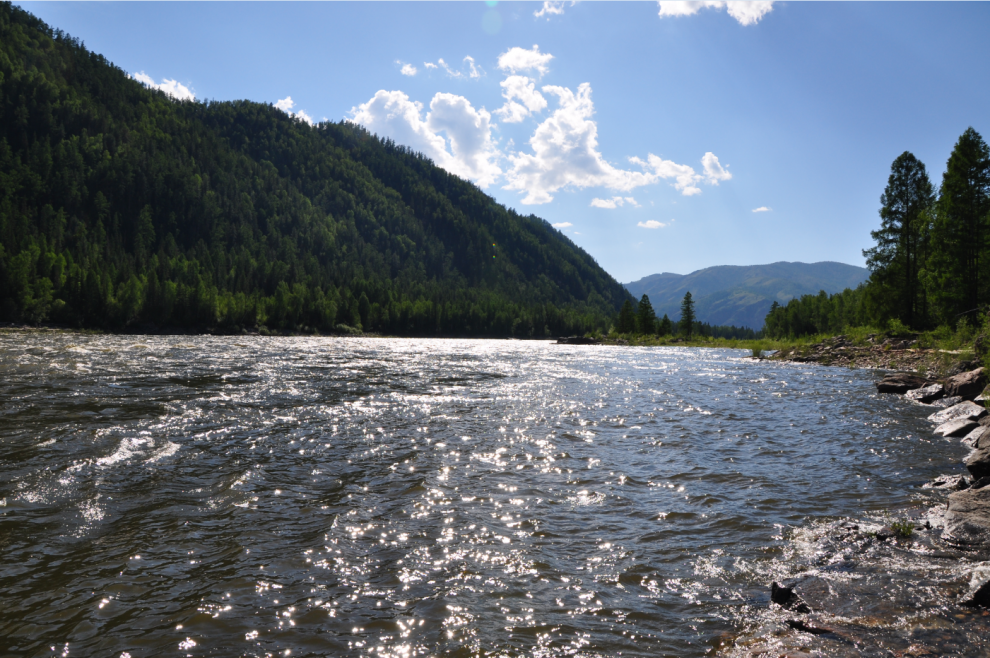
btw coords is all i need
(375, 497)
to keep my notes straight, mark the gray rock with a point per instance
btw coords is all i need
(980, 598)
(578, 340)
(787, 599)
(951, 482)
(973, 438)
(956, 427)
(945, 403)
(961, 410)
(978, 462)
(926, 394)
(966, 385)
(983, 440)
(900, 382)
(967, 521)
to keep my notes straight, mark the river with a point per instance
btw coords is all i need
(397, 497)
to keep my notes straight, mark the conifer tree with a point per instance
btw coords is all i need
(665, 326)
(646, 317)
(627, 319)
(901, 245)
(686, 323)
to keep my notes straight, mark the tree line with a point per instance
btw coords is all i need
(123, 208)
(930, 262)
(642, 320)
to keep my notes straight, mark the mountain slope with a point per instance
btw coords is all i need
(120, 206)
(742, 295)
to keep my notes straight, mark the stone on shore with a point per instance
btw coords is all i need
(966, 385)
(978, 462)
(900, 382)
(578, 340)
(973, 438)
(926, 394)
(967, 520)
(980, 598)
(962, 410)
(956, 427)
(945, 403)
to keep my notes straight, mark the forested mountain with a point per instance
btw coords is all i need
(123, 207)
(743, 295)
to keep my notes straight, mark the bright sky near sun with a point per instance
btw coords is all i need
(660, 137)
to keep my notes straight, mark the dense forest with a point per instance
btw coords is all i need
(930, 264)
(123, 208)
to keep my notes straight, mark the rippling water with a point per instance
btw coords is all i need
(294, 496)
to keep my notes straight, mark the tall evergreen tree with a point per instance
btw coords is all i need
(957, 275)
(627, 319)
(665, 327)
(901, 245)
(646, 317)
(686, 323)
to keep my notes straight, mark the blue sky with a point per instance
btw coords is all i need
(649, 133)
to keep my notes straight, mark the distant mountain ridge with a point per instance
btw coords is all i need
(741, 295)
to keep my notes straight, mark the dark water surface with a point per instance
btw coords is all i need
(294, 496)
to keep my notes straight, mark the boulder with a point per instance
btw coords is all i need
(973, 438)
(966, 385)
(950, 482)
(945, 403)
(978, 462)
(900, 382)
(926, 394)
(967, 521)
(961, 410)
(956, 427)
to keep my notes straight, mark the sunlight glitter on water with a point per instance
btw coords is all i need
(420, 497)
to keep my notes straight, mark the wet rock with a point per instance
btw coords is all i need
(945, 403)
(926, 394)
(578, 340)
(962, 410)
(956, 427)
(787, 599)
(900, 382)
(966, 385)
(978, 462)
(952, 482)
(967, 520)
(972, 439)
(982, 482)
(808, 627)
(980, 598)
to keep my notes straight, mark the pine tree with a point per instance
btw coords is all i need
(956, 275)
(646, 317)
(901, 245)
(686, 323)
(665, 327)
(627, 319)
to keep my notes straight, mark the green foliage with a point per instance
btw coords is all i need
(686, 323)
(646, 318)
(626, 322)
(664, 327)
(903, 528)
(122, 207)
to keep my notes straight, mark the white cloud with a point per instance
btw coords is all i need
(562, 225)
(747, 12)
(685, 178)
(614, 202)
(407, 69)
(173, 88)
(429, 65)
(472, 153)
(516, 60)
(762, 209)
(652, 223)
(713, 169)
(524, 89)
(632, 202)
(565, 153)
(554, 7)
(286, 104)
(473, 70)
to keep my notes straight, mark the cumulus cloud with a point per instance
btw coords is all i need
(173, 88)
(614, 202)
(562, 225)
(429, 65)
(286, 104)
(748, 12)
(521, 99)
(652, 223)
(519, 60)
(685, 178)
(407, 69)
(762, 209)
(471, 154)
(713, 169)
(550, 7)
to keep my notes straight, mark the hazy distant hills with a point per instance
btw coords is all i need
(742, 295)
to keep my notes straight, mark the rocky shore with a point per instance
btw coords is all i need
(815, 612)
